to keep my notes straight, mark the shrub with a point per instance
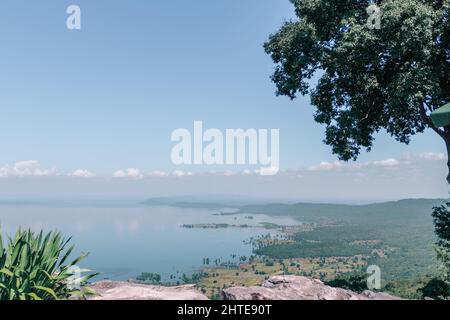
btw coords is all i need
(149, 277)
(441, 219)
(269, 264)
(33, 267)
(355, 282)
(436, 289)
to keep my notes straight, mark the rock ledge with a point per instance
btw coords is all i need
(120, 290)
(298, 288)
(275, 288)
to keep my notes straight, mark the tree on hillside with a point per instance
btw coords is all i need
(382, 64)
(441, 219)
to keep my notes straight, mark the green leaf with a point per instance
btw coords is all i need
(31, 262)
(7, 272)
(34, 296)
(48, 290)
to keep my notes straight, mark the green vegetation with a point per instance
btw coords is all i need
(337, 242)
(327, 241)
(195, 278)
(435, 289)
(439, 288)
(396, 236)
(356, 282)
(268, 225)
(441, 218)
(149, 277)
(33, 267)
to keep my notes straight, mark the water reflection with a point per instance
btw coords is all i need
(126, 241)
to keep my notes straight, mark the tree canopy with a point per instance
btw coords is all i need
(371, 77)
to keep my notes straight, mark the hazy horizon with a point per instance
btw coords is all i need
(231, 200)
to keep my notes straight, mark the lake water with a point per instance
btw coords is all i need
(125, 240)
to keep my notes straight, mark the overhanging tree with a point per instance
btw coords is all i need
(371, 79)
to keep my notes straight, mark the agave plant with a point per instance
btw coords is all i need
(33, 267)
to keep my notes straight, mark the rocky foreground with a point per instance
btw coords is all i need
(298, 288)
(118, 290)
(275, 288)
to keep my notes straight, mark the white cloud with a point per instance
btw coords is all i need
(405, 159)
(32, 168)
(181, 173)
(431, 156)
(270, 171)
(158, 174)
(327, 166)
(119, 174)
(391, 162)
(29, 168)
(82, 173)
(128, 173)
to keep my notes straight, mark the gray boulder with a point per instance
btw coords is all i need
(119, 290)
(298, 288)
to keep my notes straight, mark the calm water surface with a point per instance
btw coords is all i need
(126, 240)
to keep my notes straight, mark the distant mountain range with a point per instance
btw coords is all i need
(384, 210)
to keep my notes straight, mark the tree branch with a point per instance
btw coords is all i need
(428, 105)
(427, 120)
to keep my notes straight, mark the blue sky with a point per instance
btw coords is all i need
(107, 97)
